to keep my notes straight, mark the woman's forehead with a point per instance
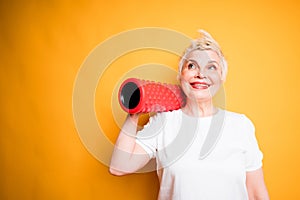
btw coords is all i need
(203, 55)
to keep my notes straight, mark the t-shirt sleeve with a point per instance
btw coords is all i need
(147, 137)
(253, 153)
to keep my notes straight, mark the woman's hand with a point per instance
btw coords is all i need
(134, 117)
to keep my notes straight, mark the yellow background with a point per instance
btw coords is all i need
(44, 43)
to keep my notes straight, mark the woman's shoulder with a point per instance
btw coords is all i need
(239, 119)
(236, 115)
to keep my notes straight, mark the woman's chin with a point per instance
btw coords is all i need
(200, 95)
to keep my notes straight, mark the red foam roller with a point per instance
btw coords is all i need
(143, 96)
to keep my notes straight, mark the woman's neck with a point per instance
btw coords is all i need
(199, 108)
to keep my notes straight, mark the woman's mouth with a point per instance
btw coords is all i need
(200, 85)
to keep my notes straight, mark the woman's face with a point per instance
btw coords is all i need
(201, 75)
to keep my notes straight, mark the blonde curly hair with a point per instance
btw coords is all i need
(205, 42)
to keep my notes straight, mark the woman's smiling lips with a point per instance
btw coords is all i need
(199, 85)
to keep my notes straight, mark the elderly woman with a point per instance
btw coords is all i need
(202, 152)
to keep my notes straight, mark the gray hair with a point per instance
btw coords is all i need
(205, 42)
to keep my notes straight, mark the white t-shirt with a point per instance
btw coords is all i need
(201, 158)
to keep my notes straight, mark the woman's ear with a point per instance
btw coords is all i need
(223, 78)
(178, 78)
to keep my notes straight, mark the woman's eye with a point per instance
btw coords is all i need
(212, 67)
(191, 66)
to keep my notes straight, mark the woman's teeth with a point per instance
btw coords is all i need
(200, 85)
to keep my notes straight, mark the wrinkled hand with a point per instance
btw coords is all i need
(134, 118)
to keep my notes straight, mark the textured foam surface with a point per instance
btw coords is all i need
(153, 96)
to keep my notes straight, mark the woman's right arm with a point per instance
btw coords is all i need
(128, 157)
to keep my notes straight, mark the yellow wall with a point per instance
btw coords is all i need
(44, 43)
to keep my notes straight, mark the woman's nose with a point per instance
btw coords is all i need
(200, 74)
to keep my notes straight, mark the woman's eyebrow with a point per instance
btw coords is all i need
(213, 61)
(209, 62)
(191, 60)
